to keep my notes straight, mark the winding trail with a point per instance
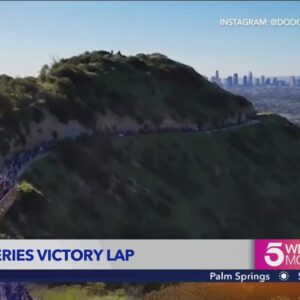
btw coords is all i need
(16, 166)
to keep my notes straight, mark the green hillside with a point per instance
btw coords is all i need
(231, 184)
(238, 182)
(85, 88)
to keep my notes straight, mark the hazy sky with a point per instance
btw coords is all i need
(33, 32)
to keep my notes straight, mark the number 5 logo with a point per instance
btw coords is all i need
(274, 250)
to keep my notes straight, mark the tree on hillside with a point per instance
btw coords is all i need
(44, 72)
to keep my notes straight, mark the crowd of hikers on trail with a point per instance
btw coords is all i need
(12, 168)
(13, 291)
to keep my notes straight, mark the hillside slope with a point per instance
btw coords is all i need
(104, 91)
(229, 184)
(169, 178)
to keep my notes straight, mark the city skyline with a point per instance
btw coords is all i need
(233, 72)
(250, 80)
(188, 32)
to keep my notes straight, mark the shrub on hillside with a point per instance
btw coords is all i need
(38, 115)
(5, 104)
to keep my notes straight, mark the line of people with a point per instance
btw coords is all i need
(167, 129)
(146, 130)
(12, 167)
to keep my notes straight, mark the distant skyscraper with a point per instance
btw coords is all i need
(281, 83)
(217, 78)
(263, 80)
(250, 79)
(293, 81)
(245, 81)
(257, 81)
(228, 82)
(275, 81)
(235, 79)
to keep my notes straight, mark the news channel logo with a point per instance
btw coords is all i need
(277, 255)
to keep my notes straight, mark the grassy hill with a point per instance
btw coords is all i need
(90, 87)
(227, 184)
(230, 184)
